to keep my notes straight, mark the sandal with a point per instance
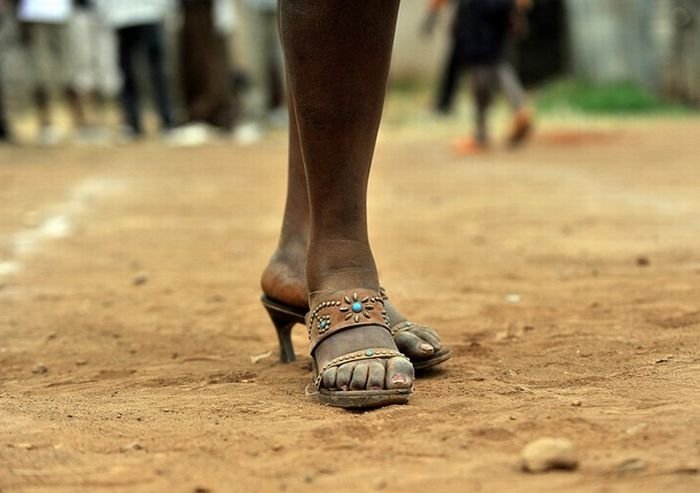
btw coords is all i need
(347, 310)
(284, 317)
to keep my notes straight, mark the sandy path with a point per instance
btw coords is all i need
(532, 266)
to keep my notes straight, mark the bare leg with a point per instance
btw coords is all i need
(337, 55)
(284, 278)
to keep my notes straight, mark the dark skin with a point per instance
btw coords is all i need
(337, 58)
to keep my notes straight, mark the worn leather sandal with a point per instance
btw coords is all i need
(345, 310)
(349, 310)
(284, 317)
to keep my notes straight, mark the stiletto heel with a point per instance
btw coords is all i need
(284, 319)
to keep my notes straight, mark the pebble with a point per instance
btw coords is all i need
(132, 446)
(633, 464)
(545, 454)
(40, 369)
(139, 279)
(513, 298)
(643, 261)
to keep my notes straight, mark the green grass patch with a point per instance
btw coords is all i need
(624, 98)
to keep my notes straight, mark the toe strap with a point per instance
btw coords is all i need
(365, 354)
(402, 327)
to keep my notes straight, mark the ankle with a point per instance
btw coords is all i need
(340, 265)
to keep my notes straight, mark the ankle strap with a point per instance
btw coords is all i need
(344, 310)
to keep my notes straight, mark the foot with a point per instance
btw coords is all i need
(418, 342)
(378, 373)
(468, 147)
(521, 127)
(283, 280)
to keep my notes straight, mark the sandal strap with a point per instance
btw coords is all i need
(364, 354)
(402, 327)
(345, 310)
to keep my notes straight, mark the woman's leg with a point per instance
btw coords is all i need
(284, 278)
(337, 55)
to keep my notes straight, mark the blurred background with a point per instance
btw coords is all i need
(80, 72)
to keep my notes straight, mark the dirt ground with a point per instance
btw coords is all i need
(566, 277)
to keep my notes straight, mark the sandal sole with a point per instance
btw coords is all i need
(436, 359)
(363, 399)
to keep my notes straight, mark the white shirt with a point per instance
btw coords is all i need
(50, 11)
(125, 13)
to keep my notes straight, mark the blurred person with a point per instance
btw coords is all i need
(204, 69)
(139, 26)
(5, 132)
(480, 32)
(337, 56)
(264, 99)
(44, 28)
(95, 56)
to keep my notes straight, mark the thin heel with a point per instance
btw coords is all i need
(283, 323)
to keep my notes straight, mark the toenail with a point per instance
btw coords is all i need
(426, 348)
(399, 379)
(375, 387)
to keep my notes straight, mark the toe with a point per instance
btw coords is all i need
(359, 376)
(399, 374)
(375, 378)
(413, 346)
(429, 336)
(343, 376)
(329, 377)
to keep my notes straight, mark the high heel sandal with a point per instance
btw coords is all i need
(345, 310)
(284, 317)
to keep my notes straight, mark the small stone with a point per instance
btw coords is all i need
(633, 430)
(40, 369)
(643, 261)
(546, 454)
(139, 279)
(513, 298)
(576, 403)
(81, 362)
(633, 464)
(25, 446)
(200, 489)
(132, 447)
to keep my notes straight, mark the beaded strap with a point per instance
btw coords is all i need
(402, 327)
(365, 354)
(347, 309)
